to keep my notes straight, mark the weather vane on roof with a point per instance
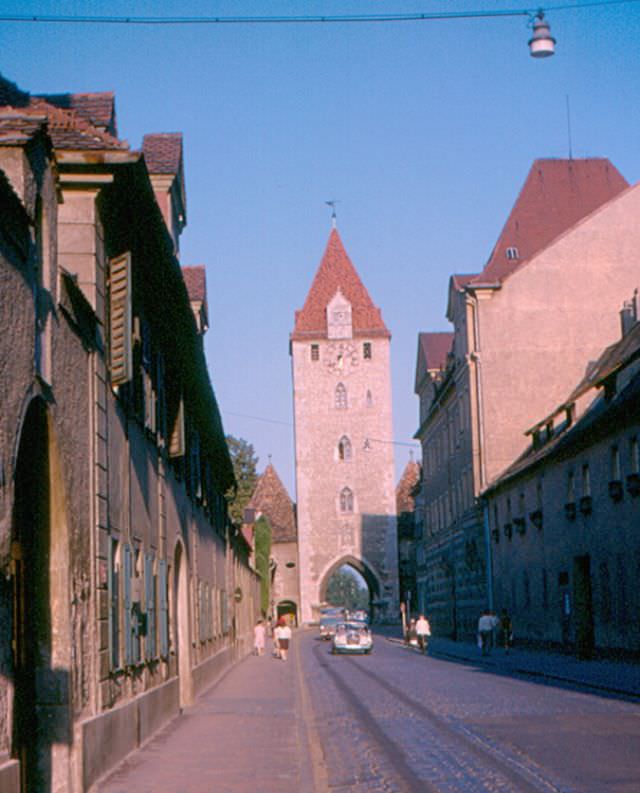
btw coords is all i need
(334, 217)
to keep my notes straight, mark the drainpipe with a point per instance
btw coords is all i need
(488, 553)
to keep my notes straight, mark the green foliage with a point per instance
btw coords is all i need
(262, 546)
(343, 590)
(245, 465)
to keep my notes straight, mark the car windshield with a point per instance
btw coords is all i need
(351, 626)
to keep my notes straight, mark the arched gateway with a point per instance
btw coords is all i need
(340, 349)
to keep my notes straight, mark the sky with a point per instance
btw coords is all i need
(422, 131)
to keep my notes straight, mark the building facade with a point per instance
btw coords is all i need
(524, 329)
(340, 354)
(124, 596)
(564, 516)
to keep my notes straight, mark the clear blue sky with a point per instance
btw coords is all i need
(424, 131)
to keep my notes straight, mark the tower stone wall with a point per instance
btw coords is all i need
(343, 432)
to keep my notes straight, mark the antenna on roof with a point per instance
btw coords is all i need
(569, 126)
(334, 217)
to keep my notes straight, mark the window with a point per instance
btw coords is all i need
(512, 253)
(344, 448)
(315, 352)
(635, 461)
(586, 480)
(163, 603)
(366, 350)
(113, 585)
(369, 399)
(346, 500)
(614, 474)
(341, 397)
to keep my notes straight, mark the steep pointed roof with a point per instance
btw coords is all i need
(404, 490)
(555, 196)
(272, 500)
(336, 271)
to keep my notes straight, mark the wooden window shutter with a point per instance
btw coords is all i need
(120, 342)
(150, 604)
(127, 569)
(176, 442)
(114, 605)
(164, 607)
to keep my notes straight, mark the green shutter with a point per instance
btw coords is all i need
(150, 603)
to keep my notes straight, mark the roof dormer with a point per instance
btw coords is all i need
(339, 324)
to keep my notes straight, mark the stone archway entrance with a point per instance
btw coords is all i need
(40, 641)
(288, 609)
(361, 572)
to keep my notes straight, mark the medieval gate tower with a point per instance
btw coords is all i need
(340, 351)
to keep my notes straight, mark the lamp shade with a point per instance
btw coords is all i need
(541, 44)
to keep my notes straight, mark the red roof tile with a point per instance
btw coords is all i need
(195, 278)
(337, 272)
(98, 109)
(435, 348)
(555, 196)
(163, 152)
(67, 128)
(272, 500)
(410, 477)
(17, 126)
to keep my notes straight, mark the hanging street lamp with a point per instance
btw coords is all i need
(541, 44)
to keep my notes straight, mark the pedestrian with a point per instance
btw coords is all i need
(283, 637)
(506, 630)
(412, 637)
(259, 635)
(423, 632)
(486, 626)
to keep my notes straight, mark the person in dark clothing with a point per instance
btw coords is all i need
(506, 630)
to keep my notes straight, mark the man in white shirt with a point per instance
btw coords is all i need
(423, 630)
(486, 626)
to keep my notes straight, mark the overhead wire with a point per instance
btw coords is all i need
(301, 20)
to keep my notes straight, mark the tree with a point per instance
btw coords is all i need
(262, 547)
(344, 590)
(245, 465)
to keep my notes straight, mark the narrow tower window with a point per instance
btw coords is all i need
(366, 350)
(344, 448)
(315, 352)
(346, 500)
(341, 397)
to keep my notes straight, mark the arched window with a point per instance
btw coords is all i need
(344, 448)
(341, 397)
(346, 500)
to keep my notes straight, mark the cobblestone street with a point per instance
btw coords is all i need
(396, 721)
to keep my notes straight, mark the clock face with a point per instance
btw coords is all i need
(341, 357)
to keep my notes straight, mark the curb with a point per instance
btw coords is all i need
(528, 672)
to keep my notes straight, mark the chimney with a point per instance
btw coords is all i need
(629, 314)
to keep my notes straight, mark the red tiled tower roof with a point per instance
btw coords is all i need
(272, 500)
(555, 196)
(337, 272)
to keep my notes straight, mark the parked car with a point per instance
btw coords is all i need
(352, 637)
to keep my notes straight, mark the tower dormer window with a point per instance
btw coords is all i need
(512, 253)
(339, 317)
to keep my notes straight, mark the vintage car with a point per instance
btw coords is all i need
(352, 637)
(328, 625)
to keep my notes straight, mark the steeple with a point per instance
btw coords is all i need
(336, 272)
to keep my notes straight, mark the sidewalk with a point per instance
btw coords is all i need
(250, 731)
(611, 677)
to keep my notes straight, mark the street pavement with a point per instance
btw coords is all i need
(452, 722)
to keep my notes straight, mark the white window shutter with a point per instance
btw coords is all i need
(120, 344)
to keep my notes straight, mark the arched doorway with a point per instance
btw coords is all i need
(350, 583)
(181, 623)
(288, 609)
(41, 637)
